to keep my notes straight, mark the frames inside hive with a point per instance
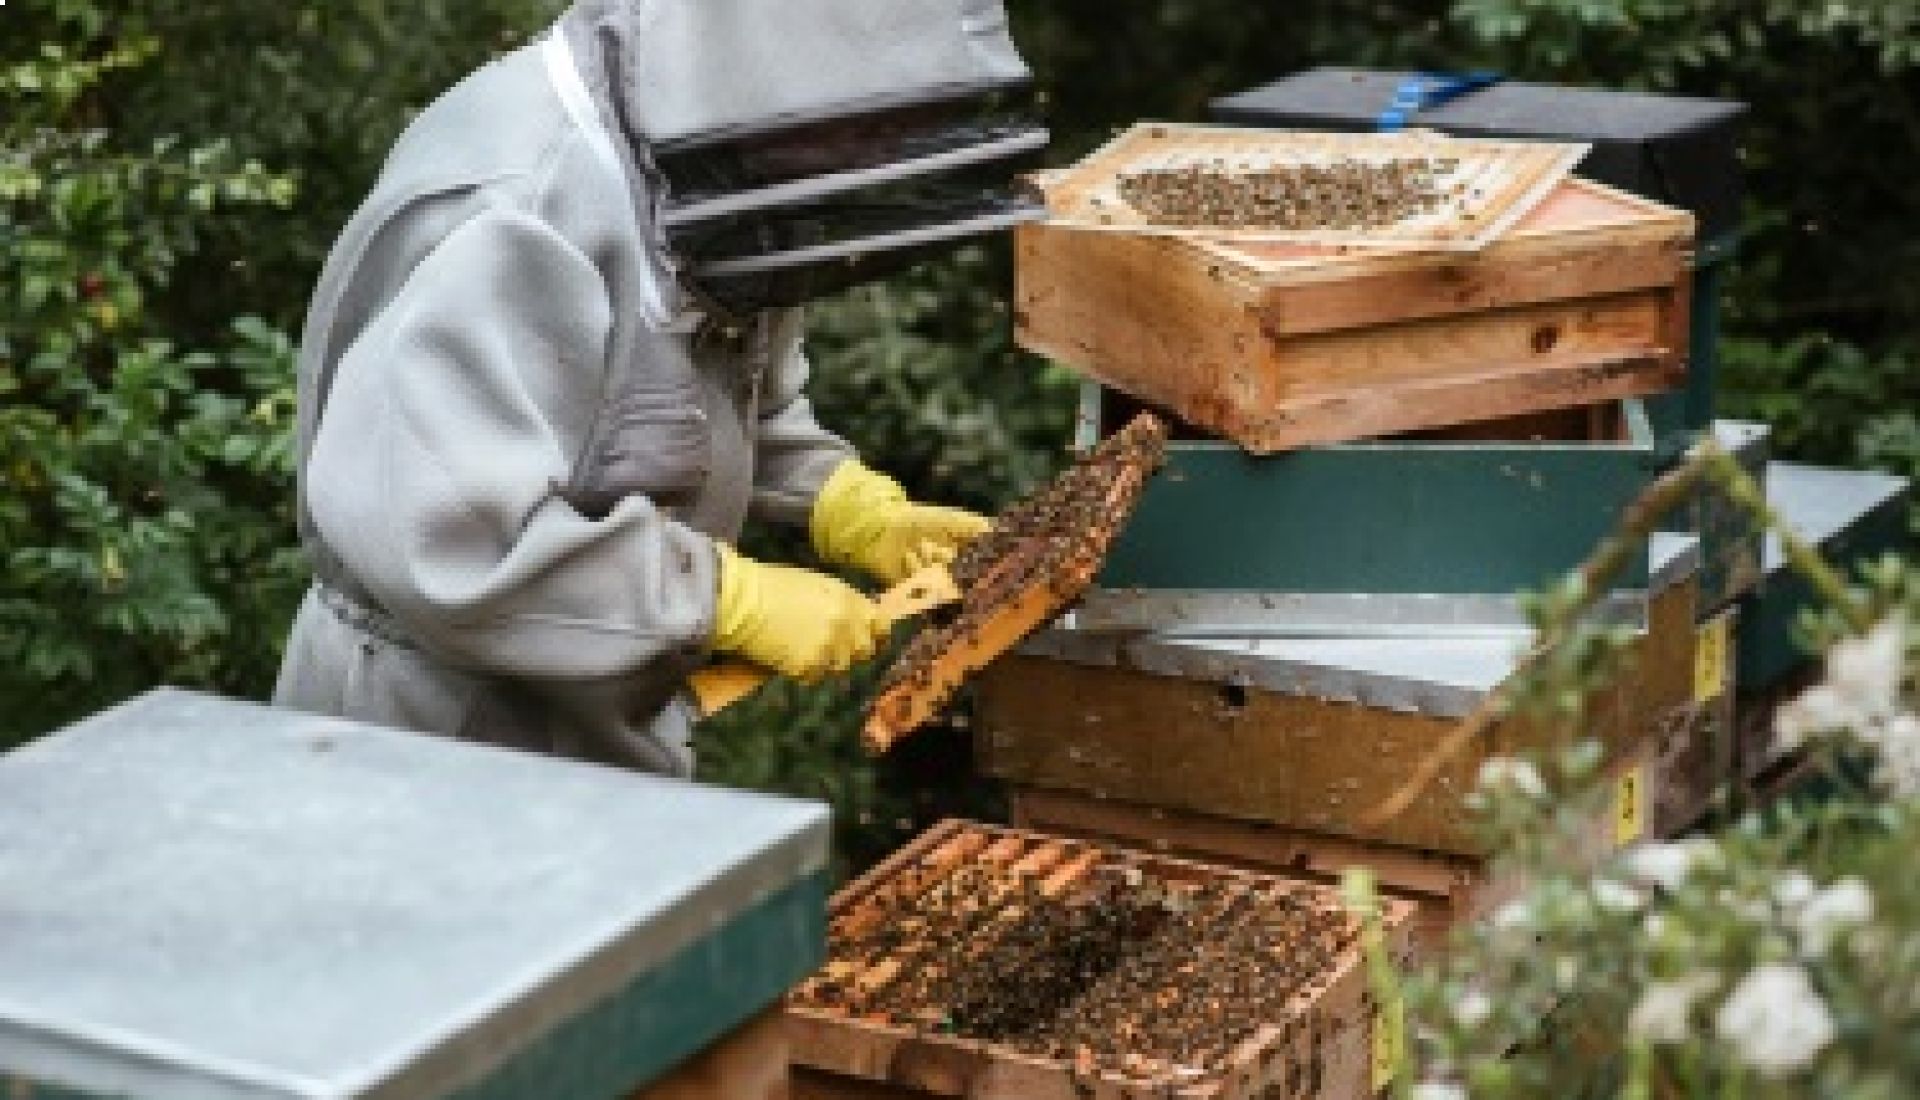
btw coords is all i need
(1038, 559)
(1122, 967)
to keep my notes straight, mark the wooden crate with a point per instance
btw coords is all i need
(1335, 1043)
(1280, 346)
(1290, 758)
(750, 1064)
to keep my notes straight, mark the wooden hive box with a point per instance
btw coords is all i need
(1661, 789)
(1307, 733)
(1330, 1042)
(1682, 151)
(1281, 346)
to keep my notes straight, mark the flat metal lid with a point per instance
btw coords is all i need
(1441, 674)
(1513, 107)
(1444, 676)
(1821, 504)
(204, 899)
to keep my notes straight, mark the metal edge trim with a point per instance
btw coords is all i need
(1192, 613)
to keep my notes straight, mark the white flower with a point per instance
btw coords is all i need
(1793, 889)
(1821, 710)
(1503, 772)
(1436, 1090)
(1513, 915)
(1617, 897)
(1845, 905)
(1861, 696)
(1775, 1020)
(1473, 1008)
(1566, 971)
(1667, 865)
(1867, 671)
(1899, 745)
(1663, 1012)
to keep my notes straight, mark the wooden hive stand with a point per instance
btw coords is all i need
(750, 1064)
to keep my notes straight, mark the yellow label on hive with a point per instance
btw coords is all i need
(1389, 1043)
(1630, 810)
(1710, 660)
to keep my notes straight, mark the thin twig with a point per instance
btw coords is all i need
(1708, 462)
(1739, 487)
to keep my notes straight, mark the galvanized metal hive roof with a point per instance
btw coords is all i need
(1820, 503)
(208, 900)
(1438, 674)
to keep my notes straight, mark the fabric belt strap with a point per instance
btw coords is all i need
(366, 620)
(1426, 91)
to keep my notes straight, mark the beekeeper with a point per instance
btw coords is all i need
(554, 364)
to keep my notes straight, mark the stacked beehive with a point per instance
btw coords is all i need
(1284, 637)
(1304, 609)
(1377, 448)
(1684, 152)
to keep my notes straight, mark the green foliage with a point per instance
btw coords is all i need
(924, 372)
(320, 89)
(142, 483)
(1822, 343)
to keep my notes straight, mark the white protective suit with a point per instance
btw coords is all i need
(517, 446)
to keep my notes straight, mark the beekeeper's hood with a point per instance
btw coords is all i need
(806, 145)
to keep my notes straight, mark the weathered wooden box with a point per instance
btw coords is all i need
(1309, 733)
(1411, 535)
(208, 899)
(1662, 788)
(1282, 346)
(1677, 150)
(1331, 1040)
(753, 1062)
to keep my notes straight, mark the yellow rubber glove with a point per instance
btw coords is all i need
(864, 520)
(798, 623)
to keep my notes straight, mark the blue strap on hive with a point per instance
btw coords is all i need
(1426, 91)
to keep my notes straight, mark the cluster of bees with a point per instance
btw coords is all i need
(1052, 540)
(1344, 195)
(1097, 962)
